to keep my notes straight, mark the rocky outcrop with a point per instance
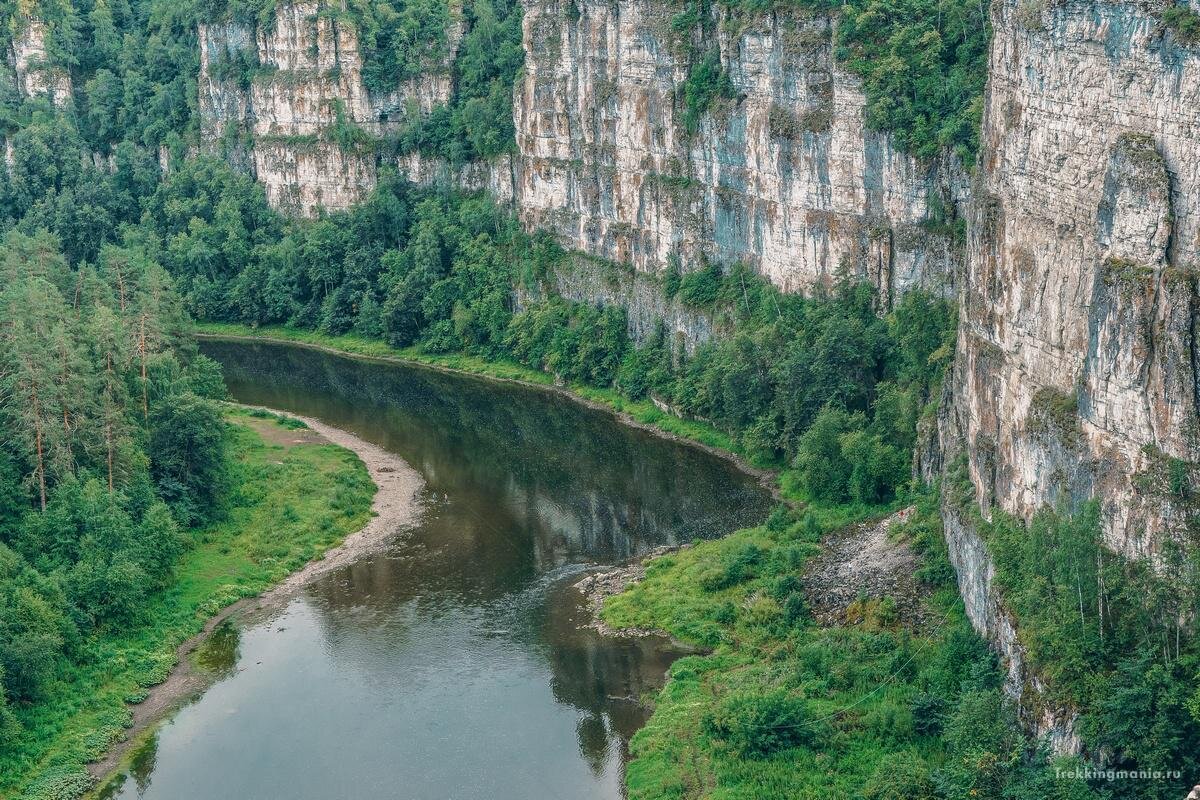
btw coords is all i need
(34, 76)
(786, 177)
(1076, 373)
(288, 100)
(647, 308)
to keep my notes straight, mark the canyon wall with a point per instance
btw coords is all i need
(785, 177)
(1076, 371)
(1076, 368)
(287, 100)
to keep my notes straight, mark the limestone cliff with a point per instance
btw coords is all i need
(785, 177)
(34, 77)
(1076, 371)
(288, 100)
(1076, 368)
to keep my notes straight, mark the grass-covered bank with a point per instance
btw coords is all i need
(288, 505)
(780, 707)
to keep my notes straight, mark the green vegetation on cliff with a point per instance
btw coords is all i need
(923, 64)
(1109, 636)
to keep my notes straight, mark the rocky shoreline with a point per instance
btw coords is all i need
(599, 586)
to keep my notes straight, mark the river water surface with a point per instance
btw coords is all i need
(453, 664)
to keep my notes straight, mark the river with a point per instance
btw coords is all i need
(455, 663)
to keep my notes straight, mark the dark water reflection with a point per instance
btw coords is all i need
(452, 665)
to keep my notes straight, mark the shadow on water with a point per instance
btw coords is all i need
(456, 663)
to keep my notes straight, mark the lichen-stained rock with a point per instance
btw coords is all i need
(27, 57)
(1076, 374)
(273, 98)
(787, 177)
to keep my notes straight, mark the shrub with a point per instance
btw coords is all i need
(701, 289)
(756, 725)
(707, 82)
(737, 564)
(1184, 22)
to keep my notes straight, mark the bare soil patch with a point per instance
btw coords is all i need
(865, 562)
(279, 435)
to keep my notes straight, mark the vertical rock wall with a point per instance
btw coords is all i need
(1076, 371)
(27, 59)
(786, 177)
(280, 115)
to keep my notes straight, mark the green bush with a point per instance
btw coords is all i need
(700, 289)
(1184, 22)
(737, 564)
(760, 725)
(707, 83)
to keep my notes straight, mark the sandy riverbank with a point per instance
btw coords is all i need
(396, 507)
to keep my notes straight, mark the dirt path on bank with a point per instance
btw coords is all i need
(396, 507)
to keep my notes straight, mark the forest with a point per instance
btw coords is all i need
(113, 451)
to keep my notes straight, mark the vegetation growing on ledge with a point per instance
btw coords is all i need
(478, 121)
(924, 67)
(1183, 21)
(397, 41)
(923, 64)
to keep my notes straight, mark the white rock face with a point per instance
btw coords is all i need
(1081, 270)
(608, 166)
(280, 120)
(28, 60)
(1076, 371)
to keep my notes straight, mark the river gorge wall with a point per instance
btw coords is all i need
(787, 178)
(1076, 369)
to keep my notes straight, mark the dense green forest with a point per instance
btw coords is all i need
(110, 452)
